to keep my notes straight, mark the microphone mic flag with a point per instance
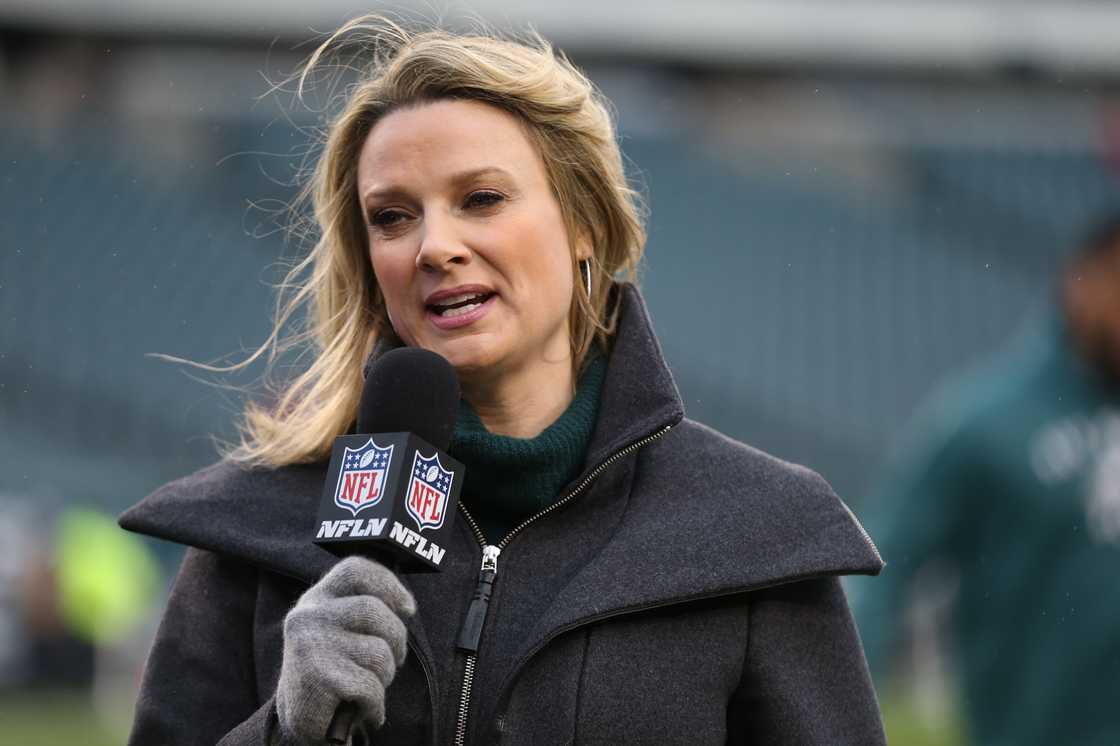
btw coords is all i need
(392, 487)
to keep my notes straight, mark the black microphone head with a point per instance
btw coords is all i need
(412, 390)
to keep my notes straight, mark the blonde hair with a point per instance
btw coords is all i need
(566, 119)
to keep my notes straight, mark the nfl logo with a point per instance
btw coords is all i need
(428, 491)
(361, 480)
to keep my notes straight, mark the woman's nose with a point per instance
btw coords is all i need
(441, 246)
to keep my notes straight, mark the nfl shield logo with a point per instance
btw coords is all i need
(428, 491)
(361, 480)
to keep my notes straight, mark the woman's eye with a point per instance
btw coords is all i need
(484, 199)
(386, 218)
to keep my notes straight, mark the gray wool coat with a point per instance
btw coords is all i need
(688, 594)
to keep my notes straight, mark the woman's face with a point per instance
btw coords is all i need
(466, 238)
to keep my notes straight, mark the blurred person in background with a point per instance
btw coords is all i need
(1011, 477)
(658, 582)
(72, 592)
(75, 596)
(39, 647)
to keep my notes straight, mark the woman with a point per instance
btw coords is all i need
(656, 582)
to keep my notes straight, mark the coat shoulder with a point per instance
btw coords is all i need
(746, 472)
(751, 504)
(219, 481)
(261, 515)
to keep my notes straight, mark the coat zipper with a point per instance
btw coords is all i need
(471, 632)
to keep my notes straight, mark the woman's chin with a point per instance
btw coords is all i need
(470, 358)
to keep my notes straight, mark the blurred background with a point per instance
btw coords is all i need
(850, 202)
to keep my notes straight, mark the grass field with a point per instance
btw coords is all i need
(58, 719)
(66, 719)
(906, 726)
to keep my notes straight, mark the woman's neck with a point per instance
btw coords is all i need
(522, 405)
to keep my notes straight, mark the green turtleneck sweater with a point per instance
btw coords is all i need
(510, 479)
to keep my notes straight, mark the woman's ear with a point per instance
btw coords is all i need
(583, 245)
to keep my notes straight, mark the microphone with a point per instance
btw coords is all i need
(391, 489)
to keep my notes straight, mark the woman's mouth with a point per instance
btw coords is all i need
(457, 311)
(458, 305)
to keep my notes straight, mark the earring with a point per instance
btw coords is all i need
(585, 270)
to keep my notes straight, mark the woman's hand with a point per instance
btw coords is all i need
(343, 642)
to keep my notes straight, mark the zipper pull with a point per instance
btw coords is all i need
(471, 632)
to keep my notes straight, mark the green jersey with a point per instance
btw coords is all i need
(1013, 476)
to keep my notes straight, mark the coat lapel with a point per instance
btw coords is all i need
(678, 544)
(263, 516)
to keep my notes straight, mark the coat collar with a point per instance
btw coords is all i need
(265, 516)
(639, 395)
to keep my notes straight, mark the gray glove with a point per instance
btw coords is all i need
(343, 642)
